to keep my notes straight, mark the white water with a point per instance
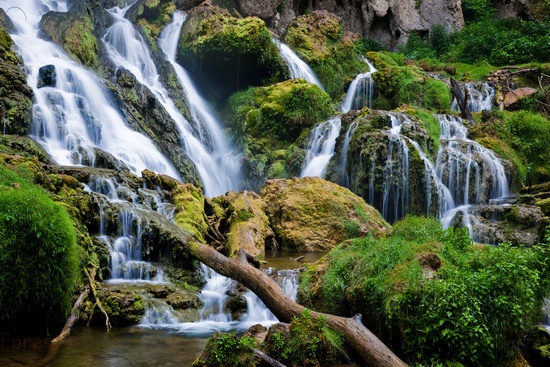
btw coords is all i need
(480, 97)
(472, 173)
(128, 49)
(345, 179)
(360, 90)
(297, 67)
(322, 141)
(75, 115)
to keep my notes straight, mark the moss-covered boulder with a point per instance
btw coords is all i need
(397, 83)
(16, 95)
(248, 225)
(311, 214)
(225, 53)
(74, 33)
(124, 306)
(151, 16)
(319, 40)
(190, 215)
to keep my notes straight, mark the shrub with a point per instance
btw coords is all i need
(434, 294)
(226, 349)
(38, 257)
(477, 9)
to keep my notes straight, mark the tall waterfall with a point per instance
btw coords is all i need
(322, 141)
(208, 151)
(344, 175)
(74, 116)
(297, 67)
(360, 90)
(480, 97)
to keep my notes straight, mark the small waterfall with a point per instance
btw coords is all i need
(74, 115)
(297, 67)
(321, 147)
(480, 97)
(360, 90)
(128, 49)
(472, 173)
(345, 180)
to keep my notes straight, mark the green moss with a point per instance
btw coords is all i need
(78, 39)
(152, 17)
(38, 246)
(190, 214)
(431, 125)
(433, 293)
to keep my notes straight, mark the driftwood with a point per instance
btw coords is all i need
(91, 280)
(365, 343)
(267, 359)
(462, 100)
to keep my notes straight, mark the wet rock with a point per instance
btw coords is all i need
(47, 76)
(311, 214)
(124, 306)
(15, 94)
(513, 97)
(184, 301)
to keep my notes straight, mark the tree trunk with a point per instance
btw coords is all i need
(365, 343)
(462, 100)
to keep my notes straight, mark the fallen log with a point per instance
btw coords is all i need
(462, 100)
(267, 359)
(373, 352)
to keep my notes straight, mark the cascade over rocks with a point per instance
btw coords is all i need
(311, 214)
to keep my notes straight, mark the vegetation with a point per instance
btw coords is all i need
(434, 293)
(38, 257)
(227, 350)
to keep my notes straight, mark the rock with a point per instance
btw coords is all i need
(6, 22)
(226, 53)
(190, 214)
(181, 300)
(123, 305)
(248, 224)
(47, 76)
(513, 97)
(311, 214)
(15, 94)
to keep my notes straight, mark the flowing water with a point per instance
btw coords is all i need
(480, 97)
(74, 116)
(360, 91)
(322, 141)
(297, 67)
(204, 142)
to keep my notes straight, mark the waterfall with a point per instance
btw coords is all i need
(473, 174)
(73, 115)
(480, 97)
(127, 49)
(297, 67)
(345, 180)
(360, 90)
(322, 141)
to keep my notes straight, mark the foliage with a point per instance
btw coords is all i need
(310, 343)
(434, 293)
(226, 349)
(38, 256)
(431, 125)
(477, 9)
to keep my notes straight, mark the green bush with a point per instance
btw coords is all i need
(477, 9)
(226, 349)
(38, 257)
(434, 294)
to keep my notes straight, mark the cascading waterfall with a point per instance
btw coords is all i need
(74, 115)
(297, 67)
(480, 97)
(473, 174)
(204, 145)
(345, 179)
(360, 90)
(322, 141)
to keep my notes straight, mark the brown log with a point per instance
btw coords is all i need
(373, 352)
(267, 359)
(462, 99)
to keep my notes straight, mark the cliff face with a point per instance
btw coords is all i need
(389, 22)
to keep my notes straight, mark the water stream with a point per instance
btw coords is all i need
(297, 67)
(480, 97)
(360, 90)
(321, 144)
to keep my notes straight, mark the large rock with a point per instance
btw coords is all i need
(311, 214)
(513, 97)
(389, 22)
(15, 94)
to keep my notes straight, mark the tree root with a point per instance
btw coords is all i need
(91, 277)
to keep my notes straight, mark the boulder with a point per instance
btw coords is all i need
(311, 214)
(47, 76)
(512, 98)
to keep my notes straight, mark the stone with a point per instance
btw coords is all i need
(312, 214)
(47, 76)
(512, 98)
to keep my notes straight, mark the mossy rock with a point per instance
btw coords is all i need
(152, 16)
(226, 53)
(190, 215)
(311, 214)
(16, 95)
(124, 306)
(73, 33)
(248, 224)
(319, 40)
